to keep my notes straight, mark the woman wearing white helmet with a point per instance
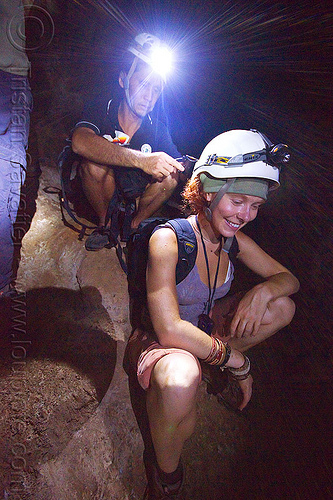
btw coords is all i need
(230, 181)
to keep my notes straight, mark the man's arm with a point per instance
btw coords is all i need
(91, 146)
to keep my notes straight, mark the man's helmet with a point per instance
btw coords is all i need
(143, 45)
(239, 155)
(153, 51)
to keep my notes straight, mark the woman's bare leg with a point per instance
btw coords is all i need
(279, 314)
(171, 406)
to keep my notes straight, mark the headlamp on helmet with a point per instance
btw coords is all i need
(274, 155)
(151, 50)
(277, 154)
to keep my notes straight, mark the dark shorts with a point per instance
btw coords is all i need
(131, 181)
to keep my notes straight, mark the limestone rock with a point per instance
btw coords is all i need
(102, 270)
(51, 252)
(53, 256)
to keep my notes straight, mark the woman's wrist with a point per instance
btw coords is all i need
(236, 359)
(219, 354)
(222, 355)
(242, 372)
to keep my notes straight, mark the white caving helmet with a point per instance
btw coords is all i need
(148, 48)
(152, 51)
(240, 161)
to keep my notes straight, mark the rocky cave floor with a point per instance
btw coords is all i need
(67, 430)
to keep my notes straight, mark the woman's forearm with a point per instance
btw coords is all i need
(185, 335)
(280, 285)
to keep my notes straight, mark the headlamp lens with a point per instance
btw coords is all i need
(161, 61)
(280, 154)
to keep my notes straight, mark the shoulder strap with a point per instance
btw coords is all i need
(227, 244)
(231, 247)
(187, 247)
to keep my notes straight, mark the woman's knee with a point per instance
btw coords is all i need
(284, 310)
(173, 389)
(289, 309)
(176, 372)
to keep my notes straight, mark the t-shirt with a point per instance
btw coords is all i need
(193, 294)
(152, 136)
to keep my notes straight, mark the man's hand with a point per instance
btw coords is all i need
(91, 146)
(159, 165)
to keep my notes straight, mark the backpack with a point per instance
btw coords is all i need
(137, 257)
(66, 162)
(120, 209)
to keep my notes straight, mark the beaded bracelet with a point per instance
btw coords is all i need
(216, 352)
(219, 353)
(227, 355)
(243, 371)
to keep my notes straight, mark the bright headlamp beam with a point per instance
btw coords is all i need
(161, 61)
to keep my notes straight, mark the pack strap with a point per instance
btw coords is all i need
(63, 200)
(121, 257)
(227, 244)
(187, 247)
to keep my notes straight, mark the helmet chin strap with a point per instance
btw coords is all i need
(126, 81)
(208, 211)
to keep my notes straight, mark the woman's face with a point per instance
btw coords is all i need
(233, 212)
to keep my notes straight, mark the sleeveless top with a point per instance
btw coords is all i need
(193, 294)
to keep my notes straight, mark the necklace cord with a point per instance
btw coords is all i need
(211, 294)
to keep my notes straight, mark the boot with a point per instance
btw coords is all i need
(156, 489)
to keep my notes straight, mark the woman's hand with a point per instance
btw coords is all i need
(246, 388)
(279, 283)
(250, 312)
